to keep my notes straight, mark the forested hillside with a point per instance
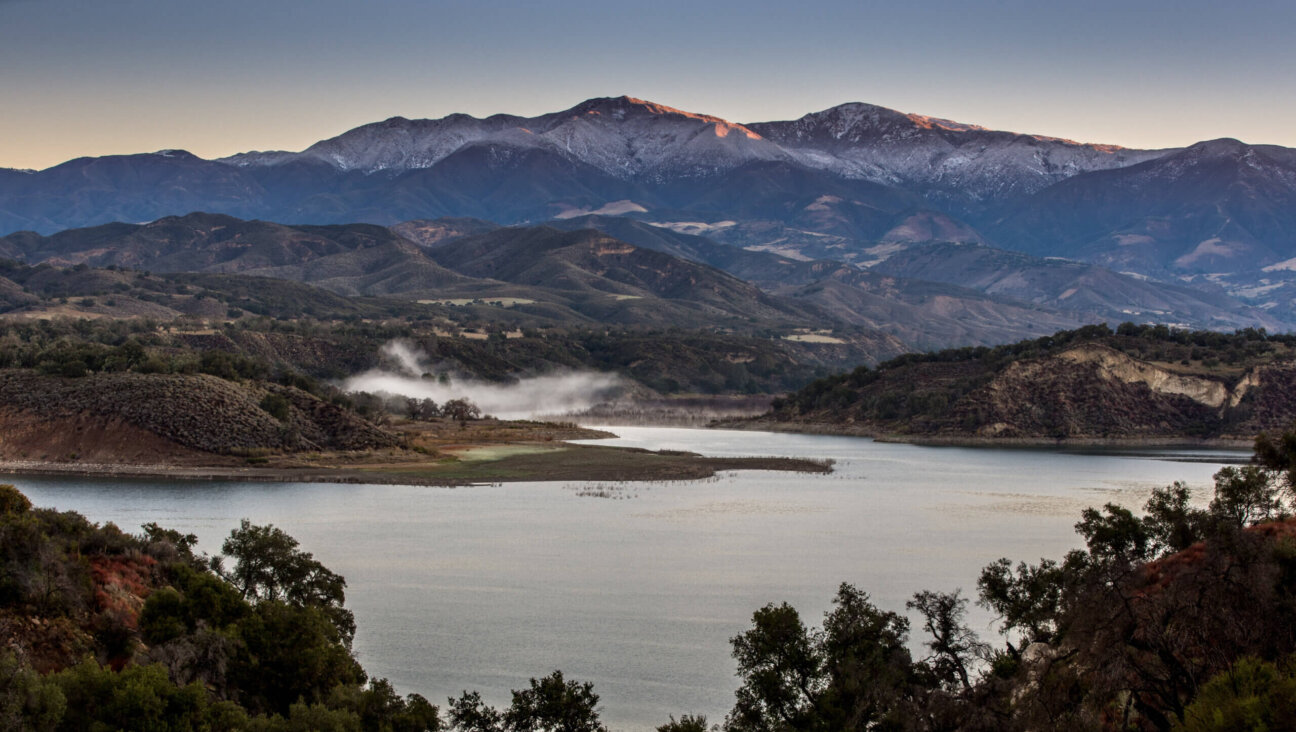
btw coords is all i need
(1141, 382)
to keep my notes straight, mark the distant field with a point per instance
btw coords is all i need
(812, 338)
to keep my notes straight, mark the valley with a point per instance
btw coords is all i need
(429, 366)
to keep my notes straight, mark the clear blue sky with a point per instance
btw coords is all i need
(92, 77)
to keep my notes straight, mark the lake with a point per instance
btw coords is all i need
(638, 587)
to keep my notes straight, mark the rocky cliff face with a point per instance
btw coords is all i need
(1098, 392)
(1095, 390)
(1091, 392)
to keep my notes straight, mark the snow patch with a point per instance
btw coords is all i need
(615, 208)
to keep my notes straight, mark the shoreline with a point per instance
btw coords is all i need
(840, 430)
(561, 462)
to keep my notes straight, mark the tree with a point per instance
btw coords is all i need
(1245, 496)
(1116, 535)
(847, 676)
(954, 646)
(781, 671)
(1172, 524)
(269, 567)
(1251, 695)
(686, 723)
(551, 704)
(460, 410)
(12, 500)
(293, 654)
(866, 662)
(1027, 600)
(469, 713)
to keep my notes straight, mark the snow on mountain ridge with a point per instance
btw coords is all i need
(623, 137)
(632, 138)
(947, 160)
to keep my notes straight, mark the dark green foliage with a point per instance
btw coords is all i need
(1172, 524)
(686, 723)
(276, 406)
(1119, 635)
(1246, 496)
(27, 701)
(1250, 695)
(201, 654)
(137, 698)
(551, 704)
(270, 568)
(163, 617)
(469, 713)
(1115, 535)
(292, 653)
(1027, 600)
(12, 500)
(851, 675)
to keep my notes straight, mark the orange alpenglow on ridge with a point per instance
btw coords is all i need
(722, 126)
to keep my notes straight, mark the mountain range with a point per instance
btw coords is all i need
(616, 270)
(850, 204)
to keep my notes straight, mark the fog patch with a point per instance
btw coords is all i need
(406, 371)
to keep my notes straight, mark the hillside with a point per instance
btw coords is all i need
(934, 295)
(1216, 207)
(1138, 383)
(139, 417)
(560, 278)
(588, 261)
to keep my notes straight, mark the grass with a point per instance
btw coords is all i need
(591, 462)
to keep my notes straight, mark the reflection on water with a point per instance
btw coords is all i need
(484, 587)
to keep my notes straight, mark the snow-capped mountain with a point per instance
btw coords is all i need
(855, 183)
(624, 137)
(946, 161)
(632, 139)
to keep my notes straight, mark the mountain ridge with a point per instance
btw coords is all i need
(855, 183)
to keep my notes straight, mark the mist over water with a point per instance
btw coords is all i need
(406, 371)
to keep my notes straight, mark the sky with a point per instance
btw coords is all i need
(97, 77)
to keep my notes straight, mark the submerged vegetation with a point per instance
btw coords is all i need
(1183, 617)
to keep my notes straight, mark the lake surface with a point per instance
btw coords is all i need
(638, 587)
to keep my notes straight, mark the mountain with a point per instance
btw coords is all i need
(932, 295)
(352, 259)
(633, 139)
(850, 173)
(855, 184)
(587, 260)
(1218, 206)
(1095, 293)
(957, 165)
(623, 137)
(559, 277)
(129, 188)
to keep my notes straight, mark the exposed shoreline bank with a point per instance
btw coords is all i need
(554, 462)
(845, 430)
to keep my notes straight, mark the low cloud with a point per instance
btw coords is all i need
(405, 371)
